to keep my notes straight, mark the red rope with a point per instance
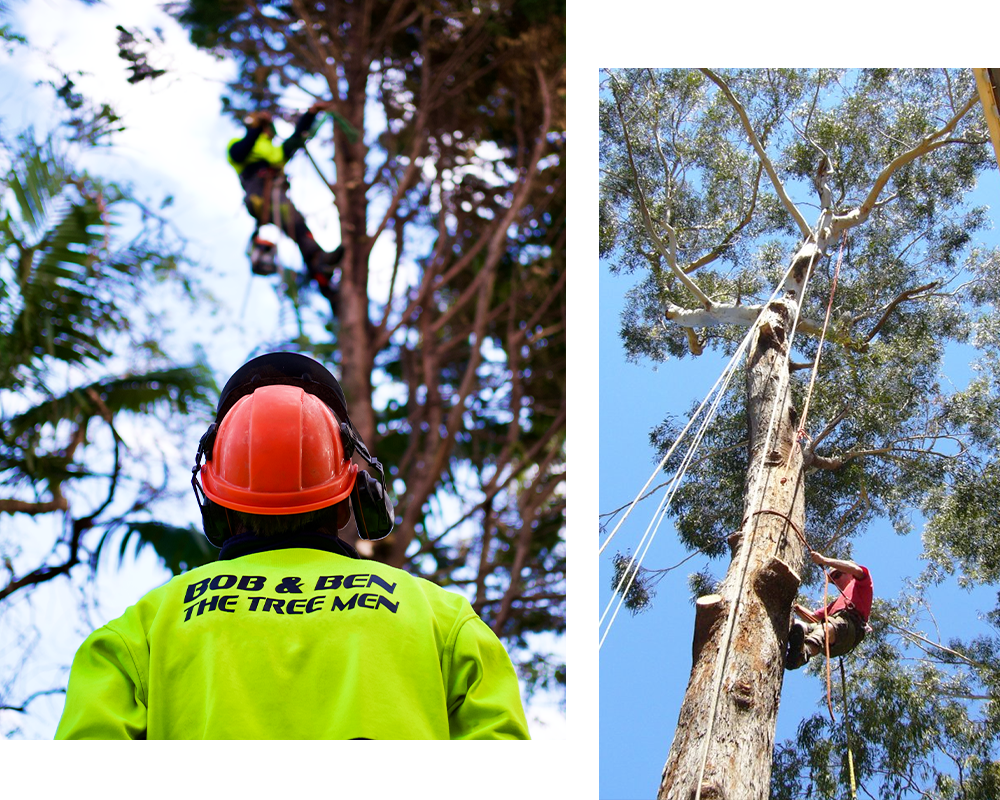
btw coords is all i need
(795, 527)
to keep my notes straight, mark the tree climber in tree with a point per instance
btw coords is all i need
(845, 619)
(290, 634)
(260, 164)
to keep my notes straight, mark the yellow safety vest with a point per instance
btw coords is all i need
(294, 643)
(264, 149)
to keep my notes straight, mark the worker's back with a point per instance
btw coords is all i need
(294, 643)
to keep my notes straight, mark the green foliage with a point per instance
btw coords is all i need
(701, 583)
(87, 122)
(209, 20)
(708, 505)
(180, 549)
(912, 281)
(72, 303)
(542, 672)
(132, 48)
(893, 437)
(698, 173)
(633, 582)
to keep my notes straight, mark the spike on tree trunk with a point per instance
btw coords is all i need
(761, 586)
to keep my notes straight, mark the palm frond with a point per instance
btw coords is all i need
(180, 549)
(36, 179)
(180, 387)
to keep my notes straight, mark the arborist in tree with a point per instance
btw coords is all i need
(260, 164)
(290, 634)
(845, 619)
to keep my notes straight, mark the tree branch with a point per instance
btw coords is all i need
(926, 145)
(669, 254)
(727, 240)
(322, 54)
(833, 423)
(23, 708)
(786, 201)
(12, 506)
(909, 294)
(898, 453)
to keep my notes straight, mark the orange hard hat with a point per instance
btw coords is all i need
(278, 451)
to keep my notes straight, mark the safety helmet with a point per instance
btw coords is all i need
(278, 451)
(282, 443)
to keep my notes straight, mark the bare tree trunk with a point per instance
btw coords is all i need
(742, 632)
(355, 340)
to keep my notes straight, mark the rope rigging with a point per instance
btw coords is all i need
(847, 733)
(721, 664)
(633, 569)
(630, 573)
(748, 546)
(822, 337)
(724, 379)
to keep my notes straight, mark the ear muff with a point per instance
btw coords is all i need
(373, 510)
(213, 516)
(372, 507)
(215, 522)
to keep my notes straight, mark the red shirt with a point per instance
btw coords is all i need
(858, 594)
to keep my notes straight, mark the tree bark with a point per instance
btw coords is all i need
(742, 632)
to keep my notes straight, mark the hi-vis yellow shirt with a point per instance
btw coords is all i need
(294, 644)
(264, 149)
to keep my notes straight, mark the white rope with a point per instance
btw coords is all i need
(661, 511)
(748, 545)
(722, 375)
(725, 377)
(670, 452)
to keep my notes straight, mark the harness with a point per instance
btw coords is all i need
(262, 252)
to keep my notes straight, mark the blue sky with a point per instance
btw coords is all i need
(646, 660)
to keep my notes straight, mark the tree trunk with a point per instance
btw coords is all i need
(743, 630)
(357, 355)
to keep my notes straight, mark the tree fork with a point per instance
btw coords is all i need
(758, 589)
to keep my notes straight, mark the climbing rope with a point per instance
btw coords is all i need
(847, 733)
(349, 131)
(721, 664)
(826, 602)
(748, 546)
(725, 375)
(787, 519)
(822, 337)
(826, 642)
(319, 172)
(724, 378)
(632, 569)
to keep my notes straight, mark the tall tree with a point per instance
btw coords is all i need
(448, 142)
(706, 181)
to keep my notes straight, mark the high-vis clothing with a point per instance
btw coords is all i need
(257, 147)
(294, 643)
(264, 149)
